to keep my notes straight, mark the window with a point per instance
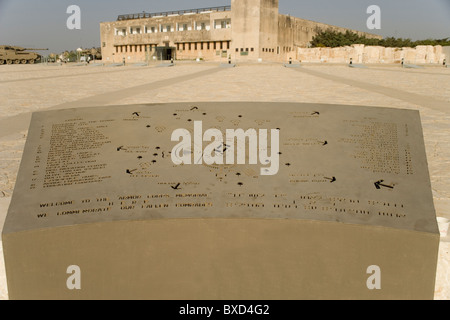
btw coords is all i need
(237, 49)
(121, 32)
(252, 49)
(222, 24)
(183, 27)
(135, 30)
(202, 25)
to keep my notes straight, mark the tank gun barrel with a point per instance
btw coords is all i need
(24, 49)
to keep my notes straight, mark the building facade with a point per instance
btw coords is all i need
(248, 30)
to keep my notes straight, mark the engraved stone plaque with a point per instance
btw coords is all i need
(101, 210)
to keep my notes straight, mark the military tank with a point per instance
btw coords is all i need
(18, 55)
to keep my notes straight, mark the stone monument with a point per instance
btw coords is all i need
(104, 209)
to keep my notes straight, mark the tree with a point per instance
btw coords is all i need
(333, 39)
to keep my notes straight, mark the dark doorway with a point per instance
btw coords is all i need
(166, 53)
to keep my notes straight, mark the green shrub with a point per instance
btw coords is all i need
(333, 39)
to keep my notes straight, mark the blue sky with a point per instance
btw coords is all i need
(42, 23)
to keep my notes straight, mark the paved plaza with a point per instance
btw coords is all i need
(28, 88)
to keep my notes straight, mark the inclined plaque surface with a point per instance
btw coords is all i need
(349, 164)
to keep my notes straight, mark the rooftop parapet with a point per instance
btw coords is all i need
(145, 15)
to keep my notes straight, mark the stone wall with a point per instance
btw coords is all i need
(446, 51)
(372, 54)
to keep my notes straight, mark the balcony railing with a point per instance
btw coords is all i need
(145, 15)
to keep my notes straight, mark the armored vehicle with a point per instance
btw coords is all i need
(17, 55)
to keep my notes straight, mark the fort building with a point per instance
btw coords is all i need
(247, 30)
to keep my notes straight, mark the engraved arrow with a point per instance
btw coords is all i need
(324, 143)
(331, 179)
(380, 184)
(121, 148)
(224, 148)
(194, 108)
(136, 114)
(131, 171)
(176, 187)
(317, 112)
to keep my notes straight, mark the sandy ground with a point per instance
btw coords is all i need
(27, 88)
